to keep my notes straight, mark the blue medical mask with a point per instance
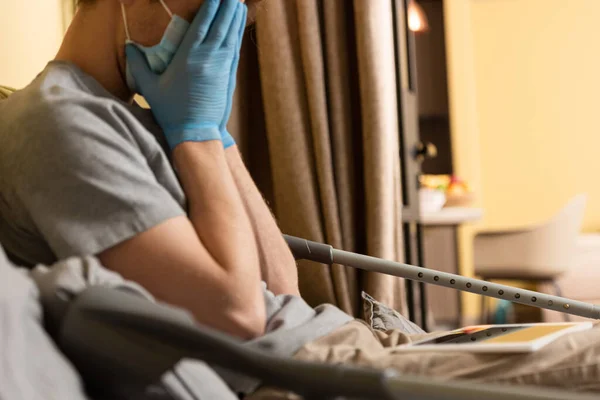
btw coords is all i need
(159, 56)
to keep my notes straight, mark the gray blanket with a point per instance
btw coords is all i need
(32, 367)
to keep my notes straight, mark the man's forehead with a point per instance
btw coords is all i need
(188, 9)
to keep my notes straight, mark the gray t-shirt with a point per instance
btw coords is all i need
(81, 171)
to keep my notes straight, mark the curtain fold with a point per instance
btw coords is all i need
(380, 124)
(316, 118)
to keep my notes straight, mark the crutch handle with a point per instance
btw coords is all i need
(303, 249)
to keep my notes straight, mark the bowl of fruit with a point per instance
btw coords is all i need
(456, 192)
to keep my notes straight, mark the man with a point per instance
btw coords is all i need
(78, 152)
(82, 172)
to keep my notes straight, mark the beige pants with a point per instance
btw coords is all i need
(571, 362)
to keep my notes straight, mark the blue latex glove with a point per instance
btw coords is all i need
(225, 136)
(190, 99)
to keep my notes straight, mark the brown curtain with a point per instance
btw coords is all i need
(316, 118)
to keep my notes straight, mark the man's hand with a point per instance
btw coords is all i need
(226, 137)
(191, 100)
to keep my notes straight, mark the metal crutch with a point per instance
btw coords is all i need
(324, 253)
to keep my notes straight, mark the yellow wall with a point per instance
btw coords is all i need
(523, 91)
(30, 34)
(537, 74)
(463, 123)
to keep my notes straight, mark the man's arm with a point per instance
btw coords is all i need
(208, 263)
(277, 262)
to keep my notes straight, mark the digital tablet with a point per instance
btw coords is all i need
(510, 338)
